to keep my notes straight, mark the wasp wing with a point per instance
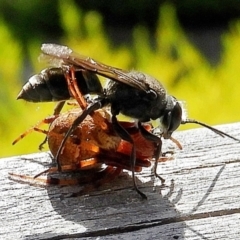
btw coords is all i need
(60, 55)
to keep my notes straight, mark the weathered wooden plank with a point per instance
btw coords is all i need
(201, 198)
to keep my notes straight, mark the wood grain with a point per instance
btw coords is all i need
(200, 200)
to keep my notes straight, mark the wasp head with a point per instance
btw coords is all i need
(172, 117)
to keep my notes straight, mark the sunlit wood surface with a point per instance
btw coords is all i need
(200, 200)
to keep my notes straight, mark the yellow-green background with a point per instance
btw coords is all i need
(211, 92)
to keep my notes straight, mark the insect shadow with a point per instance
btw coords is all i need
(101, 207)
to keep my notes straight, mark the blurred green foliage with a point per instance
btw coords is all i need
(212, 92)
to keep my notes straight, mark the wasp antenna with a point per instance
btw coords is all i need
(222, 134)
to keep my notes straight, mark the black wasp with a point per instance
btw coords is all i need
(132, 93)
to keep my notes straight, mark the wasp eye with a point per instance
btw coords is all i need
(171, 119)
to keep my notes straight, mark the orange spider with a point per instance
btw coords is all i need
(92, 144)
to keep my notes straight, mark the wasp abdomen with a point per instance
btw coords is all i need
(51, 85)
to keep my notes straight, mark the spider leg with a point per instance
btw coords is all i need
(105, 176)
(176, 142)
(121, 160)
(47, 120)
(73, 87)
(50, 180)
(94, 179)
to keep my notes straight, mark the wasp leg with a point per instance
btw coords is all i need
(158, 153)
(164, 157)
(90, 108)
(126, 136)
